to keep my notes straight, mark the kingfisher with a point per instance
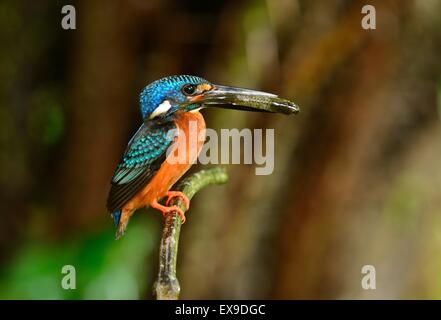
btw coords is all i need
(170, 107)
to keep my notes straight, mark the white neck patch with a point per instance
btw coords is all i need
(162, 108)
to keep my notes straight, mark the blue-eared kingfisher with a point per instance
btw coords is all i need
(144, 175)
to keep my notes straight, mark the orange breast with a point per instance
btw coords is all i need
(185, 150)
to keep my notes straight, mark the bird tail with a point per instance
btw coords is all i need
(116, 217)
(120, 224)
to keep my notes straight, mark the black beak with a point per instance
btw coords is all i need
(245, 99)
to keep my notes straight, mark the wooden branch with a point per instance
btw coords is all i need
(167, 286)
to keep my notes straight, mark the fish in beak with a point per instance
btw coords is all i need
(246, 99)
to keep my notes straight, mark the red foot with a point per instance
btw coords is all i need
(166, 210)
(178, 194)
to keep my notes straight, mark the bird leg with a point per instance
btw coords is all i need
(166, 210)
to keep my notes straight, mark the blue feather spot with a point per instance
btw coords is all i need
(116, 217)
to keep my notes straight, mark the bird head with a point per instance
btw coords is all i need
(164, 97)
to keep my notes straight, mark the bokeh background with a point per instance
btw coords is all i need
(357, 176)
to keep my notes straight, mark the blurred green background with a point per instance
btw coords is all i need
(356, 178)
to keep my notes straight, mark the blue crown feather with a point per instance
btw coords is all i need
(169, 87)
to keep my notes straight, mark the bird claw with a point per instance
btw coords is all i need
(165, 210)
(178, 194)
(176, 209)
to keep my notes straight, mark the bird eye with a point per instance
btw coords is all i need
(189, 89)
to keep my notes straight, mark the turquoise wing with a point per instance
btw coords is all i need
(143, 157)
